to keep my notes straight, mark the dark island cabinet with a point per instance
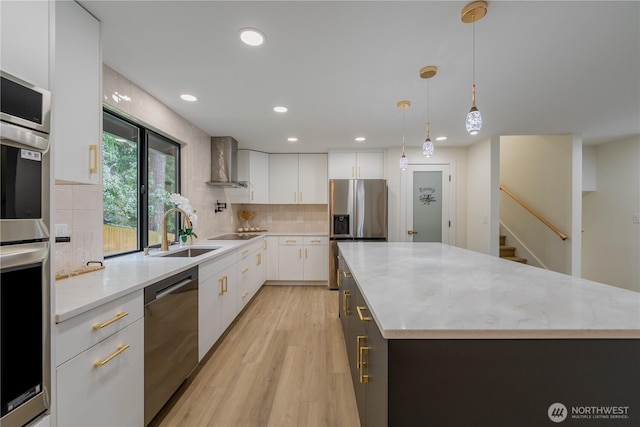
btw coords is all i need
(443, 382)
(366, 351)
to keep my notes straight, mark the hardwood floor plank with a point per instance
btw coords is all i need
(281, 363)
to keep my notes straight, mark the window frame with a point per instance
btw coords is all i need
(143, 178)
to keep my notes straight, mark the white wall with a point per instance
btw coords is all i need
(610, 241)
(538, 170)
(479, 212)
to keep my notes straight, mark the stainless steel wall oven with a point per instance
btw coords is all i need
(25, 296)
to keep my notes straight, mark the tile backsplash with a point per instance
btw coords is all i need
(286, 218)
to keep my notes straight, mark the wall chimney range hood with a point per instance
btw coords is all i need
(224, 163)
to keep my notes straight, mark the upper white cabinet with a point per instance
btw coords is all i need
(24, 40)
(298, 179)
(76, 132)
(253, 167)
(356, 165)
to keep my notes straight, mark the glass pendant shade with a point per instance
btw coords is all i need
(474, 121)
(404, 162)
(427, 147)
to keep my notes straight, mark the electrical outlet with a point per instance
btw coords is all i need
(62, 230)
(635, 218)
(300, 219)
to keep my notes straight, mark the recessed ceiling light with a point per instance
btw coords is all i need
(187, 97)
(251, 37)
(292, 139)
(441, 138)
(361, 138)
(280, 109)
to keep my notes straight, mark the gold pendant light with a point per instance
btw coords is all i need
(426, 73)
(403, 105)
(470, 14)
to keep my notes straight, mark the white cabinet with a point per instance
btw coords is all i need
(303, 258)
(213, 279)
(298, 179)
(76, 132)
(24, 40)
(250, 272)
(356, 165)
(100, 365)
(253, 167)
(272, 258)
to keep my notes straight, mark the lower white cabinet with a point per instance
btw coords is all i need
(303, 258)
(272, 257)
(251, 272)
(216, 306)
(100, 366)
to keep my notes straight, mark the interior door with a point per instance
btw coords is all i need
(428, 199)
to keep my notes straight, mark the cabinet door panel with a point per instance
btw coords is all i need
(208, 314)
(370, 165)
(316, 262)
(228, 301)
(342, 165)
(272, 258)
(283, 179)
(290, 262)
(312, 180)
(108, 395)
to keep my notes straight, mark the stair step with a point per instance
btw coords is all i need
(515, 258)
(506, 251)
(503, 240)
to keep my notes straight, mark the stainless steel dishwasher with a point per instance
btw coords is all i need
(170, 337)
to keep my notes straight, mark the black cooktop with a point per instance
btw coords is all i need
(241, 236)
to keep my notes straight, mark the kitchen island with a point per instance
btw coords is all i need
(441, 336)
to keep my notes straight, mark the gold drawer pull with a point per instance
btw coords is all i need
(338, 271)
(347, 275)
(246, 294)
(345, 303)
(244, 270)
(226, 282)
(359, 339)
(108, 322)
(364, 378)
(93, 167)
(363, 318)
(221, 282)
(291, 241)
(246, 251)
(119, 351)
(258, 259)
(316, 241)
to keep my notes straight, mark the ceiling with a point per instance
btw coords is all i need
(340, 67)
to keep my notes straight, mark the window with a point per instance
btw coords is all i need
(141, 169)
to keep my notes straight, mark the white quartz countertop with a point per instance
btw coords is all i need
(436, 291)
(128, 273)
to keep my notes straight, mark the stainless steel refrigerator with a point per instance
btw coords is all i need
(357, 212)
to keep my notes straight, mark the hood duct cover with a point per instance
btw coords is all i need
(224, 163)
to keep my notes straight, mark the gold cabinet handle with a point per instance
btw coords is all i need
(226, 282)
(93, 168)
(291, 241)
(359, 339)
(221, 282)
(246, 294)
(244, 270)
(115, 354)
(347, 275)
(300, 197)
(246, 251)
(300, 253)
(305, 253)
(363, 318)
(411, 232)
(345, 303)
(251, 195)
(108, 322)
(364, 378)
(317, 241)
(338, 278)
(258, 259)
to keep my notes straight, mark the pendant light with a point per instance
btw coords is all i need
(426, 73)
(404, 162)
(470, 14)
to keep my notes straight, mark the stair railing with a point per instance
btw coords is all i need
(534, 213)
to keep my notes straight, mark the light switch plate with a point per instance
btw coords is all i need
(62, 230)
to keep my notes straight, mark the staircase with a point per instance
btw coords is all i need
(509, 252)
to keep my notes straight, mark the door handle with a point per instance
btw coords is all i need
(410, 232)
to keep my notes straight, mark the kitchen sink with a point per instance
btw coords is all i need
(189, 252)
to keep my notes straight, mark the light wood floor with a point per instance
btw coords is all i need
(282, 363)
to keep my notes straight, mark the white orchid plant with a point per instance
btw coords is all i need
(184, 204)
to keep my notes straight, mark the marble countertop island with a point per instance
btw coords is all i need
(436, 291)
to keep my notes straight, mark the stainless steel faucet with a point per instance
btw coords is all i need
(165, 241)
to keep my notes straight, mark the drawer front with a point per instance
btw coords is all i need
(111, 394)
(247, 250)
(213, 267)
(316, 240)
(81, 332)
(290, 240)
